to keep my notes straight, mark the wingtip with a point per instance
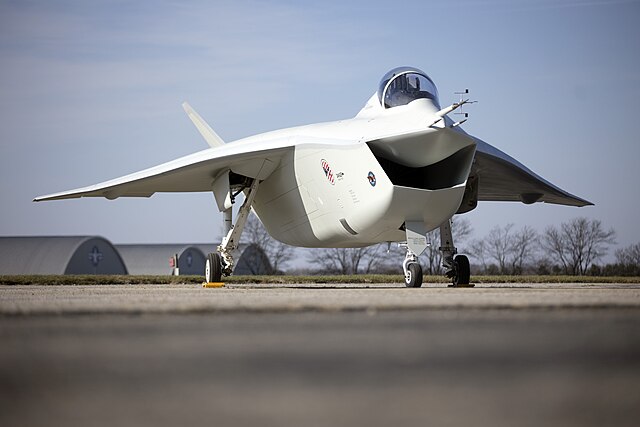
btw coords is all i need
(583, 202)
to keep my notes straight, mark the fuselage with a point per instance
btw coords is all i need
(388, 167)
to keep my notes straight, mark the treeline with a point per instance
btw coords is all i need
(576, 247)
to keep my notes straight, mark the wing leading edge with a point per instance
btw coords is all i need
(503, 178)
(192, 173)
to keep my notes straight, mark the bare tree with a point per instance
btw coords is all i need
(478, 250)
(510, 249)
(578, 243)
(499, 245)
(554, 242)
(277, 252)
(350, 260)
(524, 246)
(461, 229)
(629, 256)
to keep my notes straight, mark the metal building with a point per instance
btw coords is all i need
(155, 259)
(96, 255)
(59, 255)
(253, 261)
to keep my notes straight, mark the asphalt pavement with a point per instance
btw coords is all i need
(314, 355)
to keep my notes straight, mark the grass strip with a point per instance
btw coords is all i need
(357, 278)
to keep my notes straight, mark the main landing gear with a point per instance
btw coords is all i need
(221, 263)
(213, 268)
(457, 266)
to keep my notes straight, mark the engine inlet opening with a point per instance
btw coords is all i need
(446, 173)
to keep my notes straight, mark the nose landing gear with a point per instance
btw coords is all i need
(412, 269)
(457, 266)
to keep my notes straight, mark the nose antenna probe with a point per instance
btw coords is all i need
(442, 113)
(460, 104)
(463, 101)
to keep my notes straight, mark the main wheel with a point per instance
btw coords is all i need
(463, 272)
(413, 279)
(213, 268)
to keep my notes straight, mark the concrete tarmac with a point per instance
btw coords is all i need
(135, 299)
(553, 355)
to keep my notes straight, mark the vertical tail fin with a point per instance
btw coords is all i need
(205, 130)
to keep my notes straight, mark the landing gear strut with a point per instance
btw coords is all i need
(457, 266)
(221, 263)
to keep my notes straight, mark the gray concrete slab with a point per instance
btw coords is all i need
(34, 299)
(561, 355)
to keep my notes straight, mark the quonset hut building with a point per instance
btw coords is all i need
(96, 255)
(154, 259)
(59, 255)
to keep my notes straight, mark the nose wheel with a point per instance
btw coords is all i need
(413, 276)
(412, 269)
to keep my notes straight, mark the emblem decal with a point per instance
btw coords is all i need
(327, 171)
(95, 256)
(372, 179)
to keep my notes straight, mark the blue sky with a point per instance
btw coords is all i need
(92, 90)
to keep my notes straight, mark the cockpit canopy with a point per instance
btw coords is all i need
(402, 85)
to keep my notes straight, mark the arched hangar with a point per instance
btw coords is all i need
(59, 255)
(96, 255)
(153, 259)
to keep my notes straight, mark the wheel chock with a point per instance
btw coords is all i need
(213, 285)
(466, 285)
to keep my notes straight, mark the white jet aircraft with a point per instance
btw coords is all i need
(397, 170)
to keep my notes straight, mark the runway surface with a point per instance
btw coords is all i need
(149, 355)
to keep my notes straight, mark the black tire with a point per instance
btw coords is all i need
(415, 276)
(463, 271)
(213, 268)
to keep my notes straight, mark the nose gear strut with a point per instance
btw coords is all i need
(411, 267)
